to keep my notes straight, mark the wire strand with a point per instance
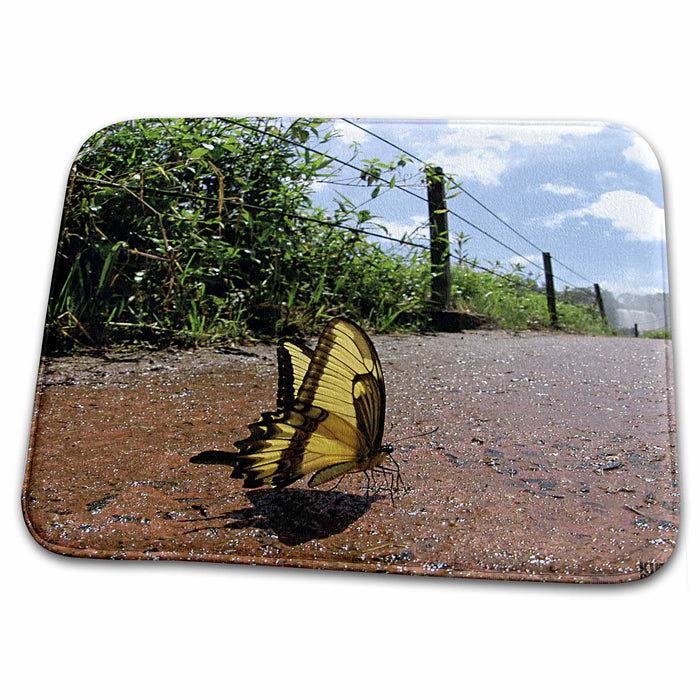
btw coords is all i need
(401, 241)
(363, 171)
(399, 187)
(460, 187)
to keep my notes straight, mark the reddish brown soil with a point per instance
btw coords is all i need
(554, 459)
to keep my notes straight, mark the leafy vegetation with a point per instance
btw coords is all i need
(193, 230)
(514, 301)
(661, 334)
(201, 230)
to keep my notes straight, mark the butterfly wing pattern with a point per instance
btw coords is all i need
(329, 419)
(293, 362)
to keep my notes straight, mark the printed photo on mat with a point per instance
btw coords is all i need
(418, 347)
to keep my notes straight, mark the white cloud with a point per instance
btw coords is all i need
(640, 152)
(523, 134)
(417, 230)
(565, 190)
(527, 261)
(349, 133)
(483, 164)
(319, 186)
(631, 212)
(633, 281)
(482, 151)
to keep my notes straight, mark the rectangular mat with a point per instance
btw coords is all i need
(431, 347)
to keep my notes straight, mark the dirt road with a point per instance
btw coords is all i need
(554, 459)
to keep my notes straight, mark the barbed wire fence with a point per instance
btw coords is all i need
(442, 255)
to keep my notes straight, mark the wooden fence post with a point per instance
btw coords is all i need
(599, 299)
(549, 283)
(439, 239)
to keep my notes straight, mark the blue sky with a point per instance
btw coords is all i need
(588, 193)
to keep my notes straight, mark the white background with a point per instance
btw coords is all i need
(74, 628)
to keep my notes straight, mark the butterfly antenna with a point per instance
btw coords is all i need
(408, 437)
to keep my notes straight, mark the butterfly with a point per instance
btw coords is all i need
(329, 419)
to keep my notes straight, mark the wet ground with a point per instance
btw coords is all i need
(554, 459)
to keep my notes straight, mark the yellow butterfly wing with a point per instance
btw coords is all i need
(345, 378)
(333, 425)
(293, 361)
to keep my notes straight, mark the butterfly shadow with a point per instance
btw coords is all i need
(299, 515)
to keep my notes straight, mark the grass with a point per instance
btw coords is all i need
(514, 304)
(192, 232)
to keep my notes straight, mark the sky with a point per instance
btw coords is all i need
(588, 193)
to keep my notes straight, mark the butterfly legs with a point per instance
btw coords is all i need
(393, 482)
(337, 483)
